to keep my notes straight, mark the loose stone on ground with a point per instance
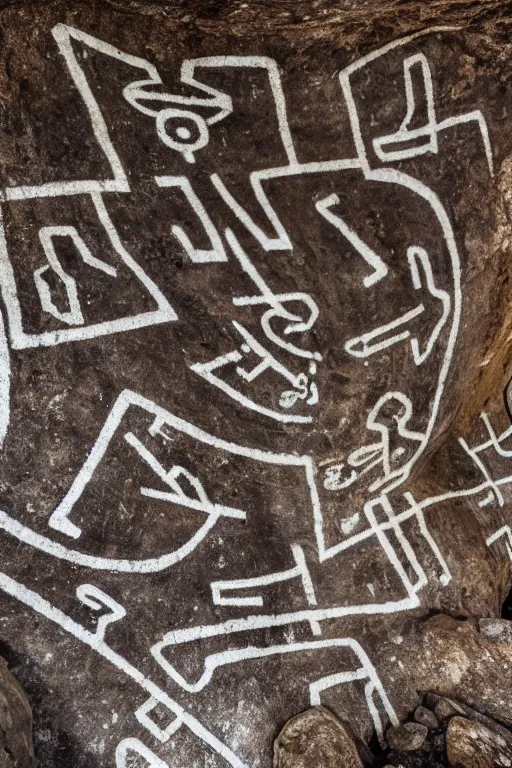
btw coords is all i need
(315, 739)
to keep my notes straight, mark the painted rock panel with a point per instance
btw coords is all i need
(254, 295)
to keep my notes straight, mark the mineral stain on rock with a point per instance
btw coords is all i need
(254, 378)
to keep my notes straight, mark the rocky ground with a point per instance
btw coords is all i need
(441, 733)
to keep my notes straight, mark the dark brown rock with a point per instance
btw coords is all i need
(449, 708)
(445, 708)
(407, 737)
(472, 745)
(16, 747)
(315, 739)
(426, 717)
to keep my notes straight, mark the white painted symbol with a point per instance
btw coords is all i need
(217, 660)
(266, 362)
(494, 442)
(136, 747)
(184, 487)
(296, 323)
(197, 255)
(163, 735)
(303, 388)
(379, 268)
(398, 330)
(163, 312)
(412, 142)
(396, 441)
(186, 147)
(334, 480)
(97, 600)
(300, 571)
(31, 599)
(46, 235)
(506, 533)
(200, 502)
(373, 686)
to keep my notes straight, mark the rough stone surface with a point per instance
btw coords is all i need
(444, 707)
(254, 366)
(315, 739)
(425, 717)
(16, 747)
(472, 745)
(407, 737)
(496, 630)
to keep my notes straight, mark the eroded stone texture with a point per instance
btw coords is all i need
(407, 737)
(496, 630)
(256, 431)
(425, 717)
(315, 739)
(472, 745)
(16, 747)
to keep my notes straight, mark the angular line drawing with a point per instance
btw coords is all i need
(392, 176)
(197, 255)
(299, 570)
(374, 686)
(136, 746)
(46, 235)
(96, 599)
(276, 303)
(374, 261)
(163, 313)
(303, 388)
(267, 362)
(183, 130)
(427, 133)
(161, 734)
(506, 533)
(32, 600)
(365, 672)
(385, 336)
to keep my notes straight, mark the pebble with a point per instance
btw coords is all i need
(407, 737)
(496, 631)
(315, 738)
(444, 707)
(425, 717)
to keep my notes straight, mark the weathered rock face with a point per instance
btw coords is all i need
(16, 746)
(315, 739)
(472, 745)
(255, 283)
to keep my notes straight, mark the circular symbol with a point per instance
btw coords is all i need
(182, 131)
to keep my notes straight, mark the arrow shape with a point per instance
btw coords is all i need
(402, 327)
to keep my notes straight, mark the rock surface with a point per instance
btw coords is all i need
(496, 630)
(407, 737)
(315, 739)
(16, 746)
(425, 717)
(472, 745)
(443, 707)
(255, 413)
